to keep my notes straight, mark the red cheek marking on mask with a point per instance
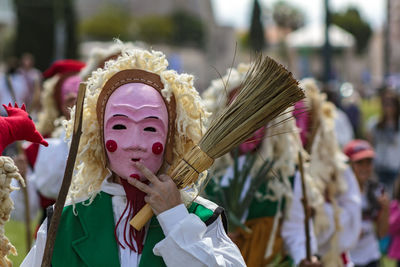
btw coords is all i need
(157, 148)
(111, 145)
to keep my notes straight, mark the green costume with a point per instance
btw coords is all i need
(88, 238)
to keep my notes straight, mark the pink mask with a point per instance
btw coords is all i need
(69, 93)
(135, 129)
(253, 142)
(70, 86)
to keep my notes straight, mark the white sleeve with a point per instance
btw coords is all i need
(50, 167)
(35, 255)
(189, 242)
(293, 229)
(350, 215)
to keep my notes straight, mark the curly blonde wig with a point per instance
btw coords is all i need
(327, 164)
(50, 112)
(98, 56)
(8, 171)
(217, 95)
(90, 168)
(326, 157)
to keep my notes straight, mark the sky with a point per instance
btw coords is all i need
(237, 13)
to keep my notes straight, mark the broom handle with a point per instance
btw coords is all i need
(142, 217)
(305, 206)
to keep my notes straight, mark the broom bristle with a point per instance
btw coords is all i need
(267, 91)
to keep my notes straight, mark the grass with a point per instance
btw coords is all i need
(369, 108)
(386, 262)
(16, 233)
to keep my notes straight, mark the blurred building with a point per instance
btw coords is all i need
(220, 41)
(7, 20)
(394, 36)
(305, 48)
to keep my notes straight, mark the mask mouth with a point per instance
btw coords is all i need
(135, 159)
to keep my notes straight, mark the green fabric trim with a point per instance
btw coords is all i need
(266, 208)
(88, 238)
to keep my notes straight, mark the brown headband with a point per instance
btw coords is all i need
(111, 57)
(137, 76)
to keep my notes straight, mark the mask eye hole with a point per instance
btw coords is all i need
(150, 129)
(119, 127)
(29, 117)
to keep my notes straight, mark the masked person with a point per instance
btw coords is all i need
(44, 179)
(139, 119)
(275, 215)
(337, 222)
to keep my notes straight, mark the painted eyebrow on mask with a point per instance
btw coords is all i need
(152, 117)
(120, 115)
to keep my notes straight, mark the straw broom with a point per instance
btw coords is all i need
(267, 91)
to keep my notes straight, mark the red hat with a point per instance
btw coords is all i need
(359, 149)
(63, 66)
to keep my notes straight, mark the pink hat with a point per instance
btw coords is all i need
(359, 149)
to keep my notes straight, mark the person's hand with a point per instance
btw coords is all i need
(162, 193)
(384, 201)
(313, 263)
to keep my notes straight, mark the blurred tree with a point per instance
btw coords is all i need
(110, 22)
(188, 29)
(287, 16)
(154, 29)
(351, 21)
(35, 31)
(256, 35)
(71, 49)
(178, 28)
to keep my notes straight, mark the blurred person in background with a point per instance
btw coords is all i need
(33, 78)
(59, 94)
(343, 126)
(12, 89)
(350, 103)
(274, 214)
(337, 222)
(384, 135)
(375, 205)
(12, 84)
(394, 226)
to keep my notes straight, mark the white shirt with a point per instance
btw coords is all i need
(293, 228)
(343, 129)
(367, 248)
(19, 86)
(50, 166)
(188, 241)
